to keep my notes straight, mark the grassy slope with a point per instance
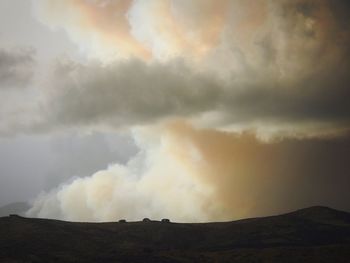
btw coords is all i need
(316, 234)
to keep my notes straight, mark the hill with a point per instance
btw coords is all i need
(316, 234)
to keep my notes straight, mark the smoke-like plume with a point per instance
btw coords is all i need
(127, 28)
(158, 182)
(273, 65)
(97, 26)
(269, 65)
(199, 175)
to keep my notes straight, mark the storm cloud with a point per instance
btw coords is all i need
(238, 110)
(286, 66)
(133, 93)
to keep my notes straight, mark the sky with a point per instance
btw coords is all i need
(201, 110)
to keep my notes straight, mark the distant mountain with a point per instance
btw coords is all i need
(316, 234)
(14, 208)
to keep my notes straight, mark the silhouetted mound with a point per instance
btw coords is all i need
(316, 234)
(14, 208)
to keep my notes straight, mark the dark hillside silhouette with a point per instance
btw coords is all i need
(316, 234)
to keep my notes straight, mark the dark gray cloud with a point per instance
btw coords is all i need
(16, 67)
(128, 93)
(294, 70)
(289, 67)
(136, 93)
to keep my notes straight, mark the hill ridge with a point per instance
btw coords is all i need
(316, 234)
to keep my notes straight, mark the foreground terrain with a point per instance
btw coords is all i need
(316, 234)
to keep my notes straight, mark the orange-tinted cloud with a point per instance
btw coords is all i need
(110, 23)
(189, 174)
(155, 25)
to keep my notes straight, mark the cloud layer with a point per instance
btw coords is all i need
(133, 93)
(269, 67)
(203, 175)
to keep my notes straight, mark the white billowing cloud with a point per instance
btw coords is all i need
(175, 28)
(127, 28)
(268, 65)
(194, 175)
(260, 64)
(100, 28)
(156, 183)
